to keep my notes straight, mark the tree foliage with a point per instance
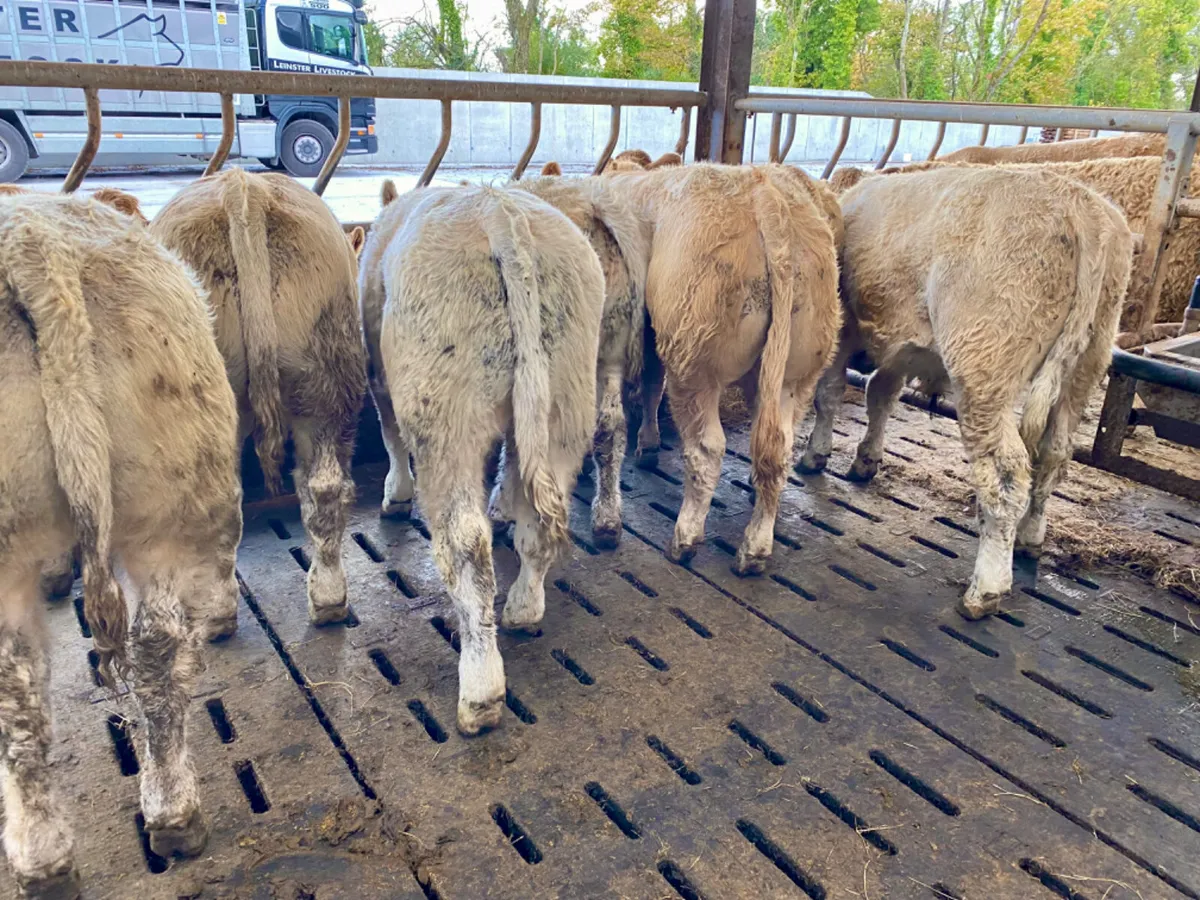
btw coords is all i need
(1140, 53)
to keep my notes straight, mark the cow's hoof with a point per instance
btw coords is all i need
(476, 718)
(606, 537)
(863, 470)
(681, 553)
(975, 606)
(329, 615)
(400, 510)
(746, 565)
(218, 628)
(812, 465)
(63, 886)
(647, 458)
(180, 840)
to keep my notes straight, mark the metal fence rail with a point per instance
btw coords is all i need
(92, 78)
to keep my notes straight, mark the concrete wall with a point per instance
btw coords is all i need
(495, 134)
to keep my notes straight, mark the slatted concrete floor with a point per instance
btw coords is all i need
(833, 729)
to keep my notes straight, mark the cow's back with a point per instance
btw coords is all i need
(156, 363)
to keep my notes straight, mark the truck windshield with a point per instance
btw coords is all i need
(333, 35)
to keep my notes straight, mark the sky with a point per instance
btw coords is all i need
(484, 17)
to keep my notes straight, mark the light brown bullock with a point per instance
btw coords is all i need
(1130, 184)
(120, 436)
(992, 281)
(1124, 146)
(481, 311)
(622, 244)
(742, 290)
(282, 281)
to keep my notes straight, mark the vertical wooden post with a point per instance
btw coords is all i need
(725, 77)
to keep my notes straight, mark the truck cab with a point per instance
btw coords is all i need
(319, 36)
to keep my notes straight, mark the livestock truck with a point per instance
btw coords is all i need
(47, 126)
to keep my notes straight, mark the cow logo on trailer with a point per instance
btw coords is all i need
(160, 21)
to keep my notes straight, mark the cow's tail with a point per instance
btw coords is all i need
(766, 432)
(44, 273)
(1102, 260)
(512, 245)
(245, 207)
(633, 241)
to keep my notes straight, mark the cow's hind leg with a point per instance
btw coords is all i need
(698, 418)
(450, 482)
(37, 836)
(398, 486)
(1000, 471)
(165, 656)
(610, 441)
(882, 390)
(326, 491)
(827, 400)
(58, 576)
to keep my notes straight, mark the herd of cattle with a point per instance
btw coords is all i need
(136, 357)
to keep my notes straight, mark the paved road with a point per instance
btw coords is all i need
(353, 194)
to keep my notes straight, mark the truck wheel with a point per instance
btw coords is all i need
(14, 153)
(305, 147)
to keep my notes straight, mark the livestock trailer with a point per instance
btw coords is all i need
(47, 126)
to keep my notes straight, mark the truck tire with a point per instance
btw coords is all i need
(305, 147)
(272, 163)
(14, 153)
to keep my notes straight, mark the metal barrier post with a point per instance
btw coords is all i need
(837, 151)
(685, 128)
(789, 135)
(339, 147)
(891, 145)
(227, 128)
(725, 78)
(91, 144)
(776, 134)
(535, 134)
(440, 150)
(614, 132)
(937, 142)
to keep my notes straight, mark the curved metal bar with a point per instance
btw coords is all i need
(789, 135)
(685, 127)
(983, 134)
(87, 152)
(891, 144)
(339, 147)
(841, 145)
(440, 151)
(776, 134)
(937, 142)
(1024, 134)
(535, 134)
(614, 132)
(227, 127)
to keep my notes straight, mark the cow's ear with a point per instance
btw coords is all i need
(389, 192)
(121, 202)
(551, 168)
(357, 238)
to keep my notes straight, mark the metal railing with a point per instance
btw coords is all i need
(92, 79)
